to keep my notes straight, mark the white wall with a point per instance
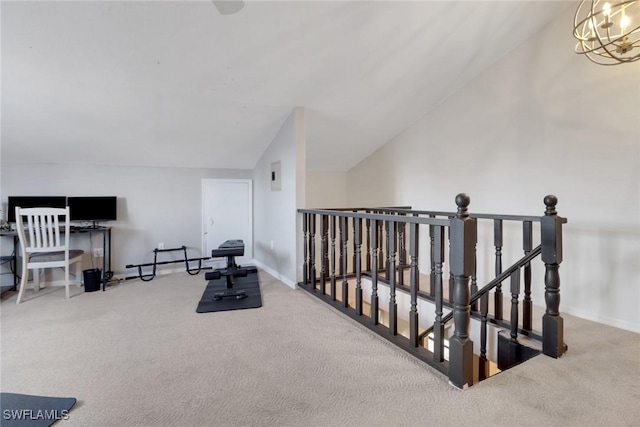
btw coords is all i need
(326, 189)
(275, 218)
(154, 204)
(543, 120)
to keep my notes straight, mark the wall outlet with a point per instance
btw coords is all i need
(98, 253)
(161, 245)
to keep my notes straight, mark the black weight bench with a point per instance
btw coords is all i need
(229, 249)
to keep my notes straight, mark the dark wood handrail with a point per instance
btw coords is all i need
(379, 217)
(408, 210)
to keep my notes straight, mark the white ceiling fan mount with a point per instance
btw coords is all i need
(228, 7)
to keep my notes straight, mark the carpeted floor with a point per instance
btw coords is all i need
(139, 355)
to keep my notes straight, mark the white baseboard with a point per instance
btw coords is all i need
(605, 320)
(274, 274)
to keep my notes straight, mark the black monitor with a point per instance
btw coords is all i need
(33, 202)
(99, 208)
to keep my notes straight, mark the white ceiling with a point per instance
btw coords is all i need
(178, 84)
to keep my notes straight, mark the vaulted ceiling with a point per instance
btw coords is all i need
(176, 83)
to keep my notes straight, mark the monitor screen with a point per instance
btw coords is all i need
(33, 202)
(101, 208)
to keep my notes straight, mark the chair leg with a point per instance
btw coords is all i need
(36, 279)
(23, 281)
(66, 280)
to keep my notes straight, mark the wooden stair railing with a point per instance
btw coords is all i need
(482, 294)
(384, 233)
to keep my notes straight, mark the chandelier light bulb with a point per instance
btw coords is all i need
(624, 22)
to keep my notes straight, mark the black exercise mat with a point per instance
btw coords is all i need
(33, 411)
(248, 284)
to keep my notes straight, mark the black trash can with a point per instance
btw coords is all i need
(92, 279)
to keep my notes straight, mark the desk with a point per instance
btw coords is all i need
(11, 258)
(106, 250)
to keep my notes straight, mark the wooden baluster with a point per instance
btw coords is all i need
(508, 350)
(368, 236)
(413, 259)
(305, 249)
(357, 227)
(332, 231)
(324, 248)
(432, 275)
(403, 244)
(417, 253)
(374, 274)
(344, 234)
(393, 306)
(551, 236)
(527, 304)
(515, 294)
(312, 248)
(450, 293)
(343, 252)
(484, 362)
(381, 256)
(358, 261)
(497, 238)
(402, 253)
(353, 260)
(437, 236)
(462, 235)
(389, 238)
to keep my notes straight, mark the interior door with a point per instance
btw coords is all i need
(227, 214)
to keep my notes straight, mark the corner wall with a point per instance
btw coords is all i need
(275, 243)
(541, 121)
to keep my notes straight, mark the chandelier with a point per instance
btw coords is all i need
(608, 33)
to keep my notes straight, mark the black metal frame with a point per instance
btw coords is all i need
(150, 276)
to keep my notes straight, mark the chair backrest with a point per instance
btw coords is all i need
(43, 227)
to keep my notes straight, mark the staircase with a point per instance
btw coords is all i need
(454, 325)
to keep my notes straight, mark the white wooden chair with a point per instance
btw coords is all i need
(44, 243)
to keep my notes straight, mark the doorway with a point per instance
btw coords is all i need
(227, 214)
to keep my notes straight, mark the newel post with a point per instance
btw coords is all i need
(551, 238)
(462, 244)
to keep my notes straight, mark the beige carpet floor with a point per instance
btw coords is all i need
(139, 355)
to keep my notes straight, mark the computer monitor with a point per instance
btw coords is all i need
(33, 202)
(98, 208)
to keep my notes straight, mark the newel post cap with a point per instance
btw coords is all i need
(550, 201)
(463, 201)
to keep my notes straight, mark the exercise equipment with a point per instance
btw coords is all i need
(148, 277)
(229, 274)
(229, 249)
(250, 285)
